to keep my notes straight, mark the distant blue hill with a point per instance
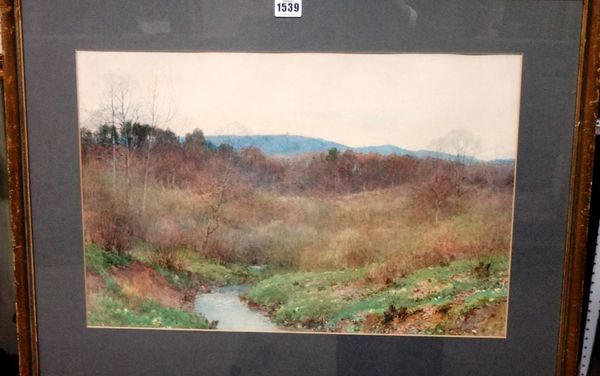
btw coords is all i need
(383, 150)
(277, 144)
(289, 145)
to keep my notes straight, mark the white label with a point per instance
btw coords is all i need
(288, 8)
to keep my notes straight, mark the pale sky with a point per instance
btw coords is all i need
(406, 100)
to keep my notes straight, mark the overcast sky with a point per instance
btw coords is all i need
(407, 100)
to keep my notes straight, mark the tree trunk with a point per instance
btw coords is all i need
(114, 162)
(145, 190)
(215, 212)
(114, 147)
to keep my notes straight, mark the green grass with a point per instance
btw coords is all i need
(180, 279)
(94, 259)
(112, 309)
(142, 252)
(278, 289)
(99, 260)
(324, 299)
(197, 268)
(222, 274)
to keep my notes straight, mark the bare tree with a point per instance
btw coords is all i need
(445, 183)
(118, 110)
(460, 144)
(159, 115)
(214, 215)
(127, 113)
(439, 193)
(123, 111)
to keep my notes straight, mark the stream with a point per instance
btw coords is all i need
(225, 306)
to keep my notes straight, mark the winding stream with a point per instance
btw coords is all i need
(225, 306)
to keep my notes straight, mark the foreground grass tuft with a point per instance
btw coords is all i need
(99, 261)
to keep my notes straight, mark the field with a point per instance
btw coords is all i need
(331, 241)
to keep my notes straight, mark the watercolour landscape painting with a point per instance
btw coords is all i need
(299, 192)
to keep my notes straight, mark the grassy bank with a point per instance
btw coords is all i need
(435, 300)
(118, 310)
(129, 291)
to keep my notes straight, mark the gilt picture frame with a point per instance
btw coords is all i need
(553, 164)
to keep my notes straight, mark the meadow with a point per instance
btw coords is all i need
(332, 241)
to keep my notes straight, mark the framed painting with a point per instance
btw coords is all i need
(363, 189)
(331, 196)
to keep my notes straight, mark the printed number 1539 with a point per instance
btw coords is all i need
(288, 7)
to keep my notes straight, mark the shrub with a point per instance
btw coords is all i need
(440, 247)
(112, 223)
(439, 196)
(117, 260)
(351, 248)
(236, 245)
(393, 268)
(98, 260)
(94, 259)
(166, 258)
(275, 243)
(220, 251)
(166, 237)
(166, 234)
(287, 242)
